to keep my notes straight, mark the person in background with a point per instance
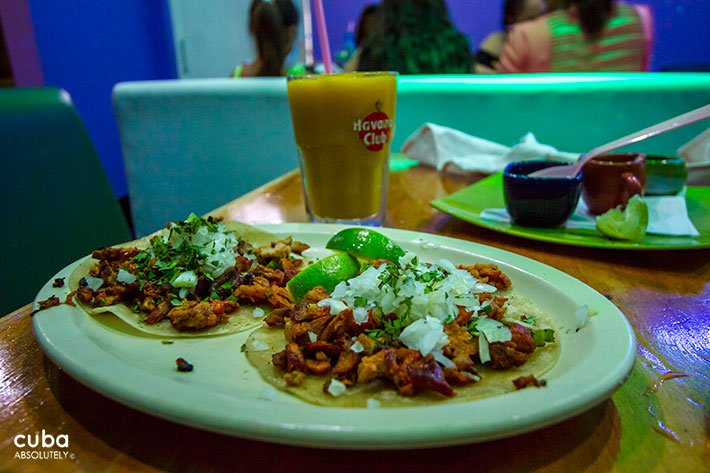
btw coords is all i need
(553, 5)
(415, 37)
(366, 24)
(585, 35)
(514, 11)
(273, 25)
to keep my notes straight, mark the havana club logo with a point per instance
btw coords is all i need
(375, 129)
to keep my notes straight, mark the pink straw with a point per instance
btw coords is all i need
(323, 36)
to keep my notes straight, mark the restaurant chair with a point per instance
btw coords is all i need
(58, 204)
(191, 145)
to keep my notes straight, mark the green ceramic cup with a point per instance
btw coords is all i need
(665, 175)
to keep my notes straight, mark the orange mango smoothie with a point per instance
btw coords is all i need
(343, 124)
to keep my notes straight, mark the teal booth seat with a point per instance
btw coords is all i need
(192, 145)
(57, 203)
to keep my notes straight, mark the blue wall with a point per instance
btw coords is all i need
(682, 28)
(87, 46)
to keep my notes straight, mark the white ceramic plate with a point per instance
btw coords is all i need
(224, 394)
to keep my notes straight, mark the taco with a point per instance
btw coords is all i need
(406, 333)
(197, 277)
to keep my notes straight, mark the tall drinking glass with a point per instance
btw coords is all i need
(343, 124)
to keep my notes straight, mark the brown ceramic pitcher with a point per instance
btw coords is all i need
(611, 179)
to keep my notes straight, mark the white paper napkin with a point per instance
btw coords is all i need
(460, 153)
(667, 215)
(697, 150)
(696, 153)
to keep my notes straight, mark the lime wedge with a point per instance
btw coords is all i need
(366, 244)
(327, 272)
(629, 224)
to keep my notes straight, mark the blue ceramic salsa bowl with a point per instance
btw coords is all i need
(539, 201)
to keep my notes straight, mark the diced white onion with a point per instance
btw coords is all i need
(125, 277)
(426, 244)
(407, 258)
(520, 322)
(481, 287)
(445, 361)
(581, 315)
(185, 279)
(424, 335)
(471, 376)
(446, 265)
(258, 345)
(494, 330)
(360, 315)
(93, 283)
(268, 394)
(314, 254)
(258, 312)
(335, 305)
(373, 403)
(483, 350)
(336, 388)
(312, 336)
(357, 347)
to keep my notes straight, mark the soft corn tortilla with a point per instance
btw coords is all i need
(493, 382)
(240, 320)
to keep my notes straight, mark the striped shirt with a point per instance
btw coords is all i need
(556, 43)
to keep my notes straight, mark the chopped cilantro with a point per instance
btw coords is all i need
(389, 276)
(471, 327)
(543, 336)
(433, 275)
(360, 301)
(390, 331)
(171, 255)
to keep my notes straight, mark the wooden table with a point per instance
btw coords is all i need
(653, 423)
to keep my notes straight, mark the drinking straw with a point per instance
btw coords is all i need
(323, 36)
(307, 33)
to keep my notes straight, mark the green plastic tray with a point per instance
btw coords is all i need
(468, 203)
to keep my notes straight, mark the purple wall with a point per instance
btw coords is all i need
(681, 26)
(19, 33)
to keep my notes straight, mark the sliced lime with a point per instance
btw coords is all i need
(365, 243)
(327, 272)
(629, 224)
